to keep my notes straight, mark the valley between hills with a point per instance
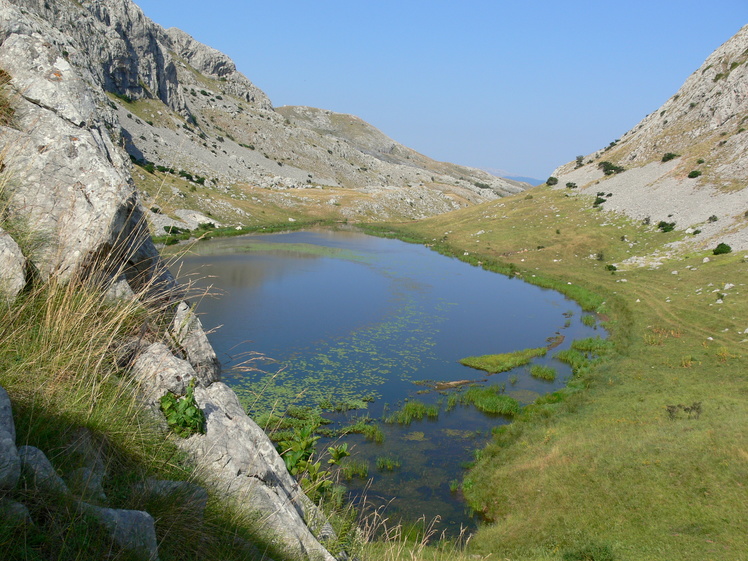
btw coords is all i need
(153, 137)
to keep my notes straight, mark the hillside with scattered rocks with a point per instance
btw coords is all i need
(687, 162)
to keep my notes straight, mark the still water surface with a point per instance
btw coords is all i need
(345, 316)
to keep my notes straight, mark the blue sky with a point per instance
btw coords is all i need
(515, 86)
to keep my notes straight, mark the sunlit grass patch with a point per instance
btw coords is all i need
(543, 372)
(366, 427)
(503, 362)
(490, 399)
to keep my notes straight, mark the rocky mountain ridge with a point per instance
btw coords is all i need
(180, 105)
(685, 163)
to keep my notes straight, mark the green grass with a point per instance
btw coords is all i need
(503, 362)
(413, 410)
(387, 463)
(58, 362)
(543, 372)
(490, 399)
(598, 469)
(354, 467)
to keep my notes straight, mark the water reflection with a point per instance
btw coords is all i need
(347, 315)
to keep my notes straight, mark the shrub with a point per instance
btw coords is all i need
(609, 168)
(722, 248)
(551, 180)
(598, 201)
(695, 173)
(580, 162)
(713, 218)
(669, 156)
(571, 185)
(666, 226)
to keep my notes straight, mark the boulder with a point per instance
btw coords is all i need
(189, 335)
(158, 371)
(40, 473)
(133, 530)
(237, 455)
(12, 267)
(86, 483)
(10, 462)
(13, 513)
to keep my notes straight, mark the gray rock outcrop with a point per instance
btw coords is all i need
(133, 530)
(189, 336)
(158, 371)
(10, 461)
(237, 454)
(12, 265)
(41, 474)
(71, 182)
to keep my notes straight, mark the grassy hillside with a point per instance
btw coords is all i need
(645, 456)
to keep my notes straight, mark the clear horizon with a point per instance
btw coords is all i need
(519, 88)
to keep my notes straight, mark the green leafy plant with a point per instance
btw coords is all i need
(297, 449)
(183, 415)
(337, 453)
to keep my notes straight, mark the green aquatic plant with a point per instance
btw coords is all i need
(388, 463)
(491, 399)
(366, 427)
(503, 362)
(353, 467)
(413, 410)
(543, 372)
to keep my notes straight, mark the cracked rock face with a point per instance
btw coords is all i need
(242, 460)
(71, 182)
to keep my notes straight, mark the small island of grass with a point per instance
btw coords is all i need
(503, 362)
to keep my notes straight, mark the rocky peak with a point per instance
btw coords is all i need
(687, 162)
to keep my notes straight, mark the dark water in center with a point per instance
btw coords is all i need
(347, 316)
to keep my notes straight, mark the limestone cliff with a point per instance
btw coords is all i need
(67, 179)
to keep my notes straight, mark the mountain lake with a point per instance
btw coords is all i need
(347, 320)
